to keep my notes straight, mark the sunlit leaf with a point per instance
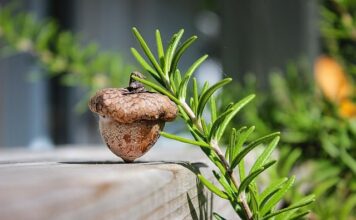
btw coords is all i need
(208, 93)
(212, 187)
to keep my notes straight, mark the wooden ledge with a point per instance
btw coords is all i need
(91, 183)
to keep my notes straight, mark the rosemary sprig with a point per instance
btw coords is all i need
(243, 192)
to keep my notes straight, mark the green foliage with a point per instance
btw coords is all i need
(338, 29)
(60, 53)
(244, 193)
(314, 137)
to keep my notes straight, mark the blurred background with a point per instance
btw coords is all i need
(240, 36)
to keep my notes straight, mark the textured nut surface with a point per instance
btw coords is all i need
(125, 107)
(130, 141)
(131, 118)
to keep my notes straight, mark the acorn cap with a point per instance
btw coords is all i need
(125, 107)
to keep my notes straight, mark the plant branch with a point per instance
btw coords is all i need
(208, 135)
(215, 146)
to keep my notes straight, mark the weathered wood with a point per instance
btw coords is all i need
(91, 183)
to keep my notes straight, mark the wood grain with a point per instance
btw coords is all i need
(91, 183)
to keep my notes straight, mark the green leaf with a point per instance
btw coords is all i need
(348, 206)
(158, 89)
(192, 103)
(184, 140)
(160, 49)
(218, 217)
(299, 216)
(242, 170)
(348, 160)
(250, 146)
(240, 138)
(329, 147)
(252, 176)
(303, 202)
(147, 51)
(196, 134)
(181, 50)
(208, 93)
(182, 91)
(177, 78)
(235, 109)
(212, 187)
(213, 111)
(204, 125)
(205, 87)
(231, 145)
(265, 155)
(325, 185)
(171, 50)
(277, 197)
(225, 184)
(254, 203)
(195, 94)
(217, 123)
(290, 160)
(271, 190)
(145, 65)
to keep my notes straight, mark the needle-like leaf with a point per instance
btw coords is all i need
(218, 217)
(253, 175)
(208, 93)
(265, 155)
(145, 65)
(171, 50)
(147, 51)
(160, 49)
(271, 189)
(235, 109)
(182, 91)
(213, 109)
(195, 94)
(277, 197)
(303, 202)
(212, 187)
(229, 190)
(250, 147)
(184, 140)
(181, 50)
(158, 89)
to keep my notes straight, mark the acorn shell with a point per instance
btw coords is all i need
(130, 141)
(130, 122)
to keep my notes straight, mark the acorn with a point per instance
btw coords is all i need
(131, 118)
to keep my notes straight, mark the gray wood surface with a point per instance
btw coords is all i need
(92, 183)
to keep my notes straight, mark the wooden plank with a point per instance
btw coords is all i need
(91, 183)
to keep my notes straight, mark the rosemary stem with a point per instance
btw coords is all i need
(192, 116)
(215, 146)
(234, 180)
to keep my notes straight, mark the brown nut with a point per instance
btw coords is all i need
(130, 119)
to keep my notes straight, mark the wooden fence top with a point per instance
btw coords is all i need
(92, 183)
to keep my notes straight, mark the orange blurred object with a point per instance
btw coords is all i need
(331, 79)
(347, 109)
